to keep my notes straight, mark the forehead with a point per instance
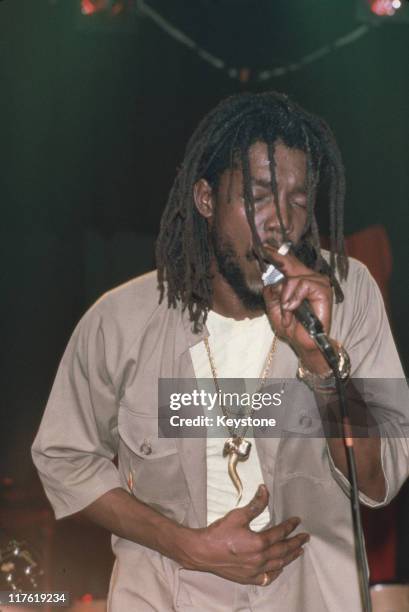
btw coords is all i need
(290, 164)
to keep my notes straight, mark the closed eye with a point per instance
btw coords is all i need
(262, 198)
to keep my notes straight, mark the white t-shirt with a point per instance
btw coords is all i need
(239, 350)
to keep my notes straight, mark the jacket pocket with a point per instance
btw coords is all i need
(139, 431)
(156, 474)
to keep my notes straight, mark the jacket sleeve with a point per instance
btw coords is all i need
(77, 439)
(377, 368)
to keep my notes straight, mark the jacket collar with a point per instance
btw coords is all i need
(188, 337)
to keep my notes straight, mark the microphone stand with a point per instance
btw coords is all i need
(311, 323)
(315, 330)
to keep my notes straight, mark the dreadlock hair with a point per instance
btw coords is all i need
(221, 141)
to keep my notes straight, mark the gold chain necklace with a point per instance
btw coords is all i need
(237, 448)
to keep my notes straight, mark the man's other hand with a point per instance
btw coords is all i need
(230, 549)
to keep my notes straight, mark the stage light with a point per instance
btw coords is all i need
(388, 11)
(109, 7)
(109, 15)
(384, 7)
(87, 598)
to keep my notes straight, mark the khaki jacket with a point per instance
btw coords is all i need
(104, 403)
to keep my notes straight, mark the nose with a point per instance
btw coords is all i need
(275, 229)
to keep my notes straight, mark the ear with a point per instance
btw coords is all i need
(203, 196)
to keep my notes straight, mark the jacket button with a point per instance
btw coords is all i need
(145, 447)
(305, 421)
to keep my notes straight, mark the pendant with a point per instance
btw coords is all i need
(237, 449)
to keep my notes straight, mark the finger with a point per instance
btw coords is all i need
(280, 532)
(291, 286)
(273, 303)
(288, 264)
(318, 297)
(279, 564)
(299, 291)
(314, 284)
(279, 551)
(272, 299)
(272, 293)
(287, 318)
(267, 578)
(255, 506)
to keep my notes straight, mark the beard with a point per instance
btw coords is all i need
(229, 267)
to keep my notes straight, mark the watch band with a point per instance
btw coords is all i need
(325, 383)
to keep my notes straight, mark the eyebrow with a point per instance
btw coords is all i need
(259, 182)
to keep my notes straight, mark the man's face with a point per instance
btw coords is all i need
(229, 229)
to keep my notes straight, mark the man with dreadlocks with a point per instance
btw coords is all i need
(248, 185)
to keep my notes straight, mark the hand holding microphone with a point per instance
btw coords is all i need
(298, 298)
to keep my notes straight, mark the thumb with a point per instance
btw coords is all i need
(271, 295)
(255, 505)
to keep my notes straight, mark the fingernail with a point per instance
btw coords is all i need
(284, 248)
(259, 492)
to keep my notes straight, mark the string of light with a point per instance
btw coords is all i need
(241, 73)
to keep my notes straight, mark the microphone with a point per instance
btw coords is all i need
(303, 313)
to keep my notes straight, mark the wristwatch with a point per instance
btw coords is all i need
(325, 382)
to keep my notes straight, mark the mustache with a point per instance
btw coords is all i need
(251, 254)
(304, 251)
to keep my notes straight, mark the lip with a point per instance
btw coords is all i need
(269, 245)
(273, 244)
(281, 249)
(274, 248)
